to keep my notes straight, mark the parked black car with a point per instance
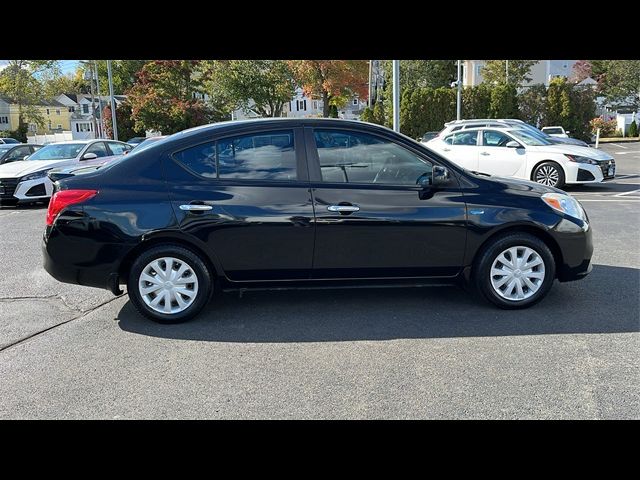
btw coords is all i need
(13, 152)
(306, 202)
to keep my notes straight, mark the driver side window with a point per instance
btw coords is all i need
(353, 157)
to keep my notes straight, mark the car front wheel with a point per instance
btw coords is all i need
(549, 174)
(515, 271)
(169, 284)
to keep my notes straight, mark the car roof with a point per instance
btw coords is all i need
(473, 120)
(68, 142)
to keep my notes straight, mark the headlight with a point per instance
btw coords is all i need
(35, 175)
(565, 204)
(578, 159)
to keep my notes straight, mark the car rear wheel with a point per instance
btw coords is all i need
(549, 174)
(515, 271)
(169, 284)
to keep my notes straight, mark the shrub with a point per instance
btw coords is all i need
(607, 128)
(633, 129)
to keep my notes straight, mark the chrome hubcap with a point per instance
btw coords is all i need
(168, 285)
(517, 273)
(548, 175)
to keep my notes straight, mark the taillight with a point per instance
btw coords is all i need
(64, 198)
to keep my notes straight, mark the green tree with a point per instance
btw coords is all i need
(532, 103)
(426, 109)
(125, 123)
(495, 71)
(503, 103)
(422, 73)
(618, 80)
(123, 73)
(163, 97)
(570, 106)
(476, 101)
(331, 80)
(19, 81)
(633, 129)
(260, 86)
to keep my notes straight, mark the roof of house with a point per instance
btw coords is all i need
(44, 103)
(71, 96)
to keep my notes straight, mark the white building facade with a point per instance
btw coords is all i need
(541, 72)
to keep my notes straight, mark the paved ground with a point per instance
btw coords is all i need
(76, 352)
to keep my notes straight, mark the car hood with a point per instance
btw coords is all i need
(24, 167)
(573, 150)
(518, 185)
(77, 164)
(567, 141)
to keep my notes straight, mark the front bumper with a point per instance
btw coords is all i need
(12, 190)
(576, 249)
(587, 173)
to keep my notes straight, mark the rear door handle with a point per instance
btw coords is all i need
(196, 208)
(343, 208)
(485, 153)
(446, 149)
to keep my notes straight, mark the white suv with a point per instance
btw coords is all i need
(514, 152)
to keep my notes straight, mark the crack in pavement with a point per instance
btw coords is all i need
(43, 297)
(38, 333)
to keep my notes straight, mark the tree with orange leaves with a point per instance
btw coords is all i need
(331, 80)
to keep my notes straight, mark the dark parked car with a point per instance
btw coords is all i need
(4, 140)
(14, 152)
(306, 202)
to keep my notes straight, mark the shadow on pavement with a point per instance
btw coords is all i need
(606, 301)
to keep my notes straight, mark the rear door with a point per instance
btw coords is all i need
(462, 148)
(246, 196)
(372, 218)
(496, 158)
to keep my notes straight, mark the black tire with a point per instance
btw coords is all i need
(550, 167)
(197, 264)
(481, 276)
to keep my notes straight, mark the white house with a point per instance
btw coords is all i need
(301, 106)
(541, 72)
(83, 111)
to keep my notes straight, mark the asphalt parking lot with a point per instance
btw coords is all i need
(75, 352)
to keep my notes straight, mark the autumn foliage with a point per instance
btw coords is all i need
(162, 98)
(333, 81)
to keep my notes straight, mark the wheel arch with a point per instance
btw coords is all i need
(175, 238)
(523, 228)
(540, 162)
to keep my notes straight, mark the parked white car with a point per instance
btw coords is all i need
(27, 181)
(556, 132)
(513, 152)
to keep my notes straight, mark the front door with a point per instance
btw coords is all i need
(461, 147)
(497, 159)
(373, 219)
(247, 198)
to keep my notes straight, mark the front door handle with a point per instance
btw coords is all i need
(343, 208)
(485, 153)
(196, 208)
(446, 149)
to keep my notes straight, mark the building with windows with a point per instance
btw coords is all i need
(55, 117)
(82, 111)
(301, 106)
(541, 72)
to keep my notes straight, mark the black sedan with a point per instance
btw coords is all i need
(305, 203)
(13, 152)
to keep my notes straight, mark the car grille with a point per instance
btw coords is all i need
(8, 187)
(604, 166)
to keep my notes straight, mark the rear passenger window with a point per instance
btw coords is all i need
(263, 156)
(200, 159)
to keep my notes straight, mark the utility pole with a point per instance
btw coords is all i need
(396, 95)
(370, 70)
(459, 93)
(89, 75)
(113, 102)
(95, 67)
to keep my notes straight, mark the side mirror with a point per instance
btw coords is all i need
(513, 144)
(439, 176)
(89, 156)
(567, 132)
(25, 157)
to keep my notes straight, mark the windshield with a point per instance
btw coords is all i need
(137, 149)
(147, 143)
(528, 138)
(58, 151)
